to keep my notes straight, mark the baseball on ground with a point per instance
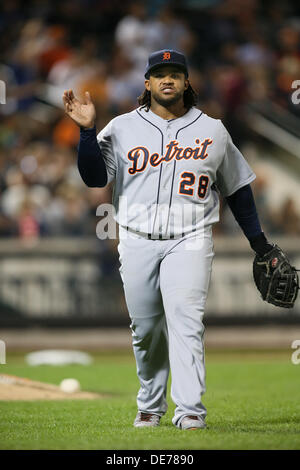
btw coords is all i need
(70, 385)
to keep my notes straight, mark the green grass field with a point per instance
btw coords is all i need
(252, 400)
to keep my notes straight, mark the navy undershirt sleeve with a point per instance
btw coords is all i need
(90, 162)
(243, 207)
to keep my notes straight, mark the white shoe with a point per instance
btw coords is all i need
(192, 422)
(146, 420)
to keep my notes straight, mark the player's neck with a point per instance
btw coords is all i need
(172, 112)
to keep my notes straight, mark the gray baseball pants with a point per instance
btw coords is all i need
(166, 284)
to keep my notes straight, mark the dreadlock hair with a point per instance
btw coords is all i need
(190, 98)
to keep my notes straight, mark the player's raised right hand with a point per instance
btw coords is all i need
(84, 114)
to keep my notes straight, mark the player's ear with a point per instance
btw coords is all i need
(186, 84)
(147, 85)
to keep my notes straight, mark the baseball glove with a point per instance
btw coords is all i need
(275, 278)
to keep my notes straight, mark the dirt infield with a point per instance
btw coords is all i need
(14, 388)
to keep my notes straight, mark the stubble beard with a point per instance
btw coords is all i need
(168, 100)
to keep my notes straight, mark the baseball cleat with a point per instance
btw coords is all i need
(192, 422)
(143, 420)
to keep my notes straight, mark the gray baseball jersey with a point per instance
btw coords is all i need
(167, 173)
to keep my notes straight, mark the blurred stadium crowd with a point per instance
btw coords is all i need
(238, 51)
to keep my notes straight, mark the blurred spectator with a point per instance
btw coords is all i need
(136, 35)
(260, 188)
(55, 50)
(68, 74)
(172, 31)
(288, 65)
(124, 84)
(27, 221)
(287, 219)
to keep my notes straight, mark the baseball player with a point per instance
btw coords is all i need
(169, 163)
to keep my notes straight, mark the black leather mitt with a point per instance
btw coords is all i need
(275, 278)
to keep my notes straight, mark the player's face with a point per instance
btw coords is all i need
(167, 85)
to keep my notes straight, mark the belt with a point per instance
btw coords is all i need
(150, 236)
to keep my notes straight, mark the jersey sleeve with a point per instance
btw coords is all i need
(104, 139)
(234, 171)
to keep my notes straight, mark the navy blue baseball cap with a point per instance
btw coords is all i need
(166, 57)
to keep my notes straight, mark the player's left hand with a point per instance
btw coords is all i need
(275, 278)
